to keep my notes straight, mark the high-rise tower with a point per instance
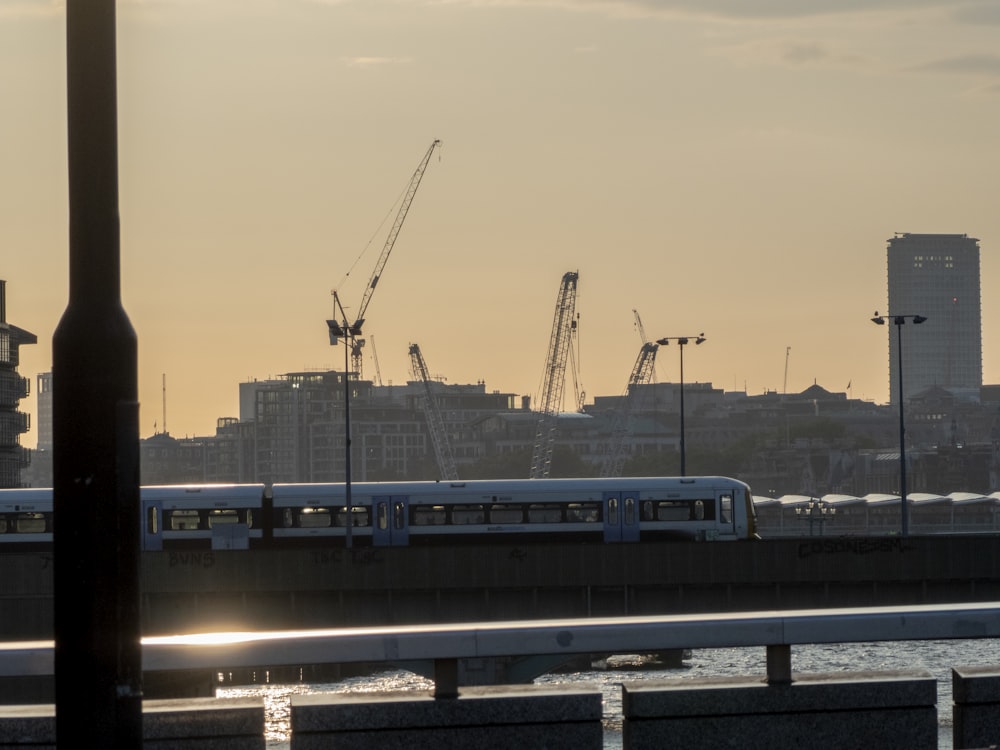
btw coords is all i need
(13, 388)
(936, 276)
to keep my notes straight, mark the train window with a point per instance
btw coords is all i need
(427, 515)
(286, 518)
(629, 510)
(151, 525)
(504, 513)
(699, 510)
(223, 515)
(613, 511)
(183, 520)
(29, 523)
(3, 524)
(398, 515)
(583, 513)
(462, 515)
(313, 518)
(359, 516)
(382, 515)
(673, 510)
(544, 513)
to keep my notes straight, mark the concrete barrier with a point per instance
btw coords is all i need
(866, 709)
(976, 710)
(485, 718)
(200, 724)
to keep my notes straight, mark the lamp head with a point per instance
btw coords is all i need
(700, 339)
(878, 319)
(918, 319)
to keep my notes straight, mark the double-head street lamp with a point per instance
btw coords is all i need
(899, 321)
(343, 330)
(816, 511)
(682, 341)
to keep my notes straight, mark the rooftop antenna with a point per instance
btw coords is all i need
(165, 432)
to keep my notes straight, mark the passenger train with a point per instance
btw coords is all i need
(416, 513)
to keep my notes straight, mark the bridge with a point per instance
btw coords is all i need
(211, 590)
(855, 708)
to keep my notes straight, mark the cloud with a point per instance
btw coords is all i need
(372, 62)
(798, 53)
(981, 64)
(724, 9)
(794, 53)
(978, 14)
(18, 9)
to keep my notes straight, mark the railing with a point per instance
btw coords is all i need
(445, 644)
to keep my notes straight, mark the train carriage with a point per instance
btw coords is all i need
(25, 517)
(219, 516)
(609, 510)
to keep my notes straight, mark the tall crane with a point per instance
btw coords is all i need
(634, 398)
(639, 327)
(554, 376)
(435, 422)
(355, 329)
(378, 372)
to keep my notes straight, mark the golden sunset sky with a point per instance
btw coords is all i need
(723, 166)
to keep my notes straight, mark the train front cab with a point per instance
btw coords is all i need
(390, 520)
(621, 516)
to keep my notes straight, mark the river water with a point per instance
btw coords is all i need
(937, 657)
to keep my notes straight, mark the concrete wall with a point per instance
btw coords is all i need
(976, 709)
(203, 724)
(880, 709)
(497, 718)
(322, 587)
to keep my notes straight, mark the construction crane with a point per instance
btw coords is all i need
(639, 326)
(354, 330)
(554, 376)
(633, 401)
(579, 394)
(435, 422)
(784, 387)
(642, 335)
(378, 372)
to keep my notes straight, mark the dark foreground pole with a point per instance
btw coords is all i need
(98, 659)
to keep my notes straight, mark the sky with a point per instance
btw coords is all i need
(722, 167)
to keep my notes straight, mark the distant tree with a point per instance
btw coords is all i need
(515, 465)
(567, 463)
(816, 428)
(660, 464)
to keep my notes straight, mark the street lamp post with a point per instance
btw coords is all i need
(682, 341)
(346, 332)
(899, 321)
(816, 511)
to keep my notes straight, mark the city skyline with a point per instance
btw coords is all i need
(718, 169)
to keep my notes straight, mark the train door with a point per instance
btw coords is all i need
(390, 521)
(152, 525)
(621, 517)
(727, 514)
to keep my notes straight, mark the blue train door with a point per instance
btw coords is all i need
(621, 517)
(390, 521)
